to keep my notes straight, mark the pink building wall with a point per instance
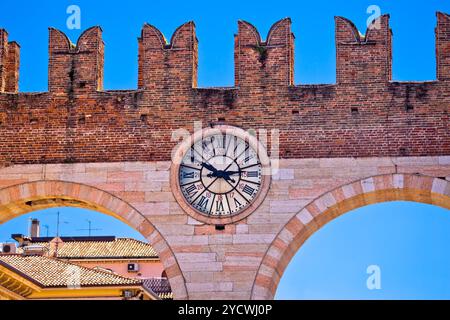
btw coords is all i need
(147, 268)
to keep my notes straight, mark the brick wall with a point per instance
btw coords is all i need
(363, 115)
(9, 64)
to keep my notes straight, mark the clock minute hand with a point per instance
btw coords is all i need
(227, 177)
(231, 173)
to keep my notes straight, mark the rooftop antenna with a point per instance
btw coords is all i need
(90, 229)
(58, 222)
(46, 228)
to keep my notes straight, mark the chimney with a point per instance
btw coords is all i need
(35, 228)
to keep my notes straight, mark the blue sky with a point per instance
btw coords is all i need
(408, 241)
(73, 222)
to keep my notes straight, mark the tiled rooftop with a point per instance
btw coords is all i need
(113, 248)
(160, 286)
(50, 272)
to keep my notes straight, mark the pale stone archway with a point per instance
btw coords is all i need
(37, 195)
(382, 188)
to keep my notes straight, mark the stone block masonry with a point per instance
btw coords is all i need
(246, 259)
(363, 140)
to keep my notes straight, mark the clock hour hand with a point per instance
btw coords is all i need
(214, 172)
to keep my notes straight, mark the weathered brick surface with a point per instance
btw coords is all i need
(75, 70)
(443, 46)
(9, 64)
(363, 115)
(363, 59)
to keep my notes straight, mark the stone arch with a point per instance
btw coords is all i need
(376, 189)
(27, 197)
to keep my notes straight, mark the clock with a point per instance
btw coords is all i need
(220, 175)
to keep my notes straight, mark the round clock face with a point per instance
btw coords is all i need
(220, 175)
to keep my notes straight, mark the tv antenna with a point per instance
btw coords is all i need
(90, 229)
(58, 222)
(46, 229)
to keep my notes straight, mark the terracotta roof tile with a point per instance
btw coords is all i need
(160, 286)
(51, 272)
(116, 248)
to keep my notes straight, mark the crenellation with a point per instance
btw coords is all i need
(12, 68)
(76, 68)
(443, 46)
(264, 63)
(360, 59)
(77, 121)
(9, 64)
(168, 65)
(3, 57)
(363, 58)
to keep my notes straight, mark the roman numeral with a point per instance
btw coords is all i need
(224, 139)
(247, 159)
(252, 174)
(191, 189)
(207, 145)
(219, 206)
(188, 175)
(250, 166)
(234, 151)
(246, 148)
(203, 202)
(237, 203)
(236, 145)
(248, 190)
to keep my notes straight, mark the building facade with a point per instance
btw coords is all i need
(320, 150)
(125, 257)
(37, 277)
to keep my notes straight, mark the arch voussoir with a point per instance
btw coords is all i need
(18, 199)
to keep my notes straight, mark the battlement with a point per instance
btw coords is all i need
(163, 65)
(264, 63)
(363, 58)
(365, 114)
(443, 47)
(75, 68)
(9, 64)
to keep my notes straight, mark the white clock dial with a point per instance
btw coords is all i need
(220, 175)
